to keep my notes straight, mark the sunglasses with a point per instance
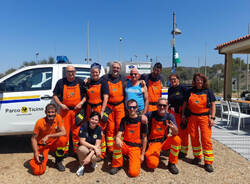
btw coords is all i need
(162, 105)
(70, 71)
(132, 107)
(133, 74)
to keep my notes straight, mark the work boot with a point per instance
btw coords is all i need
(196, 161)
(114, 170)
(172, 168)
(94, 165)
(182, 155)
(59, 165)
(209, 168)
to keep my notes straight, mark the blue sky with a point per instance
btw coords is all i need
(59, 27)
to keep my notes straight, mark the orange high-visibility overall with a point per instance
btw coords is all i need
(116, 103)
(58, 144)
(131, 147)
(199, 118)
(154, 93)
(95, 104)
(183, 134)
(71, 97)
(157, 143)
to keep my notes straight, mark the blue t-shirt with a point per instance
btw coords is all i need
(91, 135)
(135, 92)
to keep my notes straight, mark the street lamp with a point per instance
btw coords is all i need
(37, 53)
(175, 31)
(120, 55)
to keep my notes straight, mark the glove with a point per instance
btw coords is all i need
(80, 117)
(106, 114)
(183, 124)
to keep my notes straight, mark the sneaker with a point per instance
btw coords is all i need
(80, 171)
(182, 155)
(196, 161)
(114, 170)
(60, 166)
(209, 168)
(172, 168)
(94, 165)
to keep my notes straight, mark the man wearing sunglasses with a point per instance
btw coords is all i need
(159, 122)
(137, 91)
(134, 129)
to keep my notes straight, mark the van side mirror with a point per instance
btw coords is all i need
(2, 87)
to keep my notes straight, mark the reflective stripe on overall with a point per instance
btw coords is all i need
(158, 131)
(116, 96)
(198, 104)
(130, 147)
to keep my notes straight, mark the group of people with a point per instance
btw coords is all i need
(125, 117)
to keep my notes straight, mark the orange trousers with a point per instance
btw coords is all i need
(134, 154)
(55, 144)
(68, 117)
(183, 134)
(202, 122)
(154, 150)
(113, 124)
(101, 124)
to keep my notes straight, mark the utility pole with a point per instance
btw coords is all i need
(205, 73)
(247, 61)
(120, 55)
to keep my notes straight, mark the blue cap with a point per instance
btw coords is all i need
(97, 65)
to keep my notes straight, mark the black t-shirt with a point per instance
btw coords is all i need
(91, 135)
(210, 94)
(154, 114)
(176, 96)
(147, 77)
(58, 90)
(129, 121)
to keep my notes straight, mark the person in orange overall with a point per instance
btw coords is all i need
(49, 135)
(68, 94)
(116, 94)
(154, 85)
(201, 102)
(176, 94)
(134, 143)
(97, 98)
(158, 139)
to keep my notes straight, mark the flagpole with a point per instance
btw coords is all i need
(173, 66)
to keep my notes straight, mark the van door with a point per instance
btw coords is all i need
(24, 99)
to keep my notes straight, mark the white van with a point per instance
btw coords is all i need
(25, 93)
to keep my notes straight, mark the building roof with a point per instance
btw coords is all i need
(233, 42)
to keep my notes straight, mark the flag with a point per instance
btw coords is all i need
(176, 58)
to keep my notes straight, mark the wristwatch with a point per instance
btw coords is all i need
(213, 118)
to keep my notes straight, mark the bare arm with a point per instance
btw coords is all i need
(104, 103)
(213, 111)
(118, 139)
(58, 102)
(184, 106)
(144, 145)
(173, 128)
(145, 93)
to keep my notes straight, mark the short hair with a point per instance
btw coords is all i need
(131, 101)
(50, 106)
(158, 65)
(204, 78)
(116, 62)
(162, 98)
(174, 75)
(94, 113)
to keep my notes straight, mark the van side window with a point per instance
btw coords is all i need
(81, 73)
(30, 80)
